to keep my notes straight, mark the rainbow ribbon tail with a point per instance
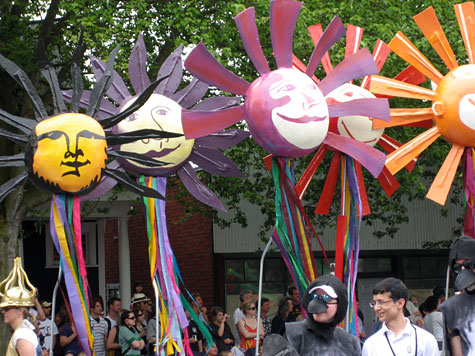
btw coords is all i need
(165, 276)
(67, 241)
(469, 190)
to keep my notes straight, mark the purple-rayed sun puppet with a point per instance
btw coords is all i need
(163, 111)
(288, 116)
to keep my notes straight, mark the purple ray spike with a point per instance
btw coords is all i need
(217, 103)
(202, 123)
(334, 31)
(105, 185)
(246, 24)
(223, 139)
(214, 162)
(138, 66)
(372, 159)
(201, 63)
(106, 108)
(357, 65)
(372, 107)
(198, 189)
(190, 94)
(283, 18)
(118, 90)
(173, 67)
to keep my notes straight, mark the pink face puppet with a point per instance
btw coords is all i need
(355, 126)
(287, 113)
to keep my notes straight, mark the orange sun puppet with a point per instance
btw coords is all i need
(453, 100)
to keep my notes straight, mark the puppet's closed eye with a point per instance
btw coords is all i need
(90, 134)
(52, 135)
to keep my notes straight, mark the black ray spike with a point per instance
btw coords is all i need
(20, 76)
(78, 84)
(132, 185)
(141, 99)
(22, 123)
(47, 70)
(21, 139)
(17, 160)
(136, 157)
(12, 184)
(102, 85)
(127, 137)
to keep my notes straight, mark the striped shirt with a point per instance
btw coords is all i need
(99, 327)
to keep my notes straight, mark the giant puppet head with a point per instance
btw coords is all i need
(284, 109)
(163, 111)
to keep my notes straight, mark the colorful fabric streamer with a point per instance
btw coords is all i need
(291, 233)
(165, 275)
(347, 240)
(469, 189)
(65, 228)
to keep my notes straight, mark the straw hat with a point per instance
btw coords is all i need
(13, 290)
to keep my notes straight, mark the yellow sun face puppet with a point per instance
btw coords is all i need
(453, 100)
(67, 152)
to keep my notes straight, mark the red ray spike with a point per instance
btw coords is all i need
(369, 157)
(283, 18)
(429, 24)
(380, 54)
(298, 64)
(353, 39)
(355, 66)
(201, 63)
(390, 145)
(365, 210)
(316, 33)
(405, 49)
(246, 24)
(202, 123)
(310, 171)
(325, 201)
(440, 187)
(411, 75)
(466, 18)
(332, 34)
(402, 156)
(388, 182)
(268, 161)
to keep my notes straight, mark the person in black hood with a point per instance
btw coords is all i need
(459, 310)
(325, 301)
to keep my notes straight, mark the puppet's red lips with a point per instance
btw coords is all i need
(162, 153)
(303, 119)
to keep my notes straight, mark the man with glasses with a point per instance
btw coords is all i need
(459, 310)
(325, 301)
(397, 335)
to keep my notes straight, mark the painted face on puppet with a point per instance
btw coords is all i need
(68, 153)
(158, 113)
(287, 113)
(355, 126)
(454, 106)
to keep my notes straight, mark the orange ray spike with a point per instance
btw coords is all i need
(439, 190)
(404, 117)
(392, 87)
(396, 160)
(405, 49)
(316, 32)
(466, 18)
(429, 24)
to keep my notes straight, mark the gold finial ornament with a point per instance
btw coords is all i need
(13, 290)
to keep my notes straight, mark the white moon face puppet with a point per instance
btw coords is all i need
(355, 126)
(287, 113)
(159, 113)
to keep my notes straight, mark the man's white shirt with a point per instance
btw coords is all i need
(403, 344)
(45, 330)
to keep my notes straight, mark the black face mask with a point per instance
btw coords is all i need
(465, 278)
